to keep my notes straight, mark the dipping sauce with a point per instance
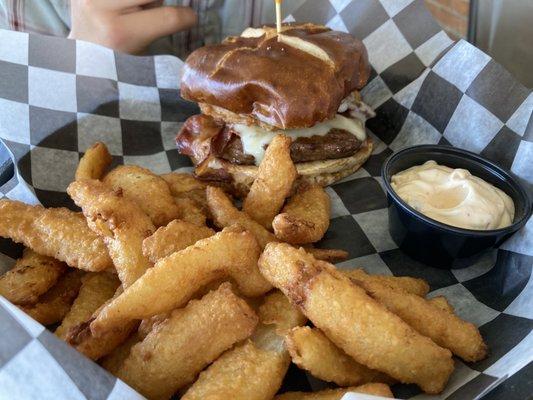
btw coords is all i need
(454, 197)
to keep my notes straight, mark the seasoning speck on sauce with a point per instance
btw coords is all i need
(454, 197)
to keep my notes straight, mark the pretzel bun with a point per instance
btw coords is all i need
(292, 80)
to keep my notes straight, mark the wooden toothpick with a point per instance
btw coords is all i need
(278, 16)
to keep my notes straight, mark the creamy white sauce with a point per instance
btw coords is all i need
(254, 139)
(454, 197)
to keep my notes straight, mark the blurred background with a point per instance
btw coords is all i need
(501, 28)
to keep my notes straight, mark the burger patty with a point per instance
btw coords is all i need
(201, 137)
(336, 143)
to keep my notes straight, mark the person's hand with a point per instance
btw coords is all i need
(127, 25)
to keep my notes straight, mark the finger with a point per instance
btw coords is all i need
(151, 24)
(157, 3)
(118, 4)
(152, 4)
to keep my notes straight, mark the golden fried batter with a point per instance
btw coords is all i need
(54, 232)
(403, 283)
(275, 176)
(174, 280)
(442, 326)
(96, 347)
(121, 223)
(178, 348)
(31, 276)
(226, 214)
(312, 351)
(55, 304)
(148, 190)
(355, 322)
(94, 162)
(253, 370)
(96, 289)
(305, 217)
(176, 236)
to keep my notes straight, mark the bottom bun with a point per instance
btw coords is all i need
(239, 178)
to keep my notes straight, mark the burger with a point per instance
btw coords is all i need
(303, 82)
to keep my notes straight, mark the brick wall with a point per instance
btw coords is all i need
(452, 15)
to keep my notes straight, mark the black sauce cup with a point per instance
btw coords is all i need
(435, 243)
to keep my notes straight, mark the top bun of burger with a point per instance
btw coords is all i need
(293, 82)
(302, 83)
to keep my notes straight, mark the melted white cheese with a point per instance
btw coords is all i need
(254, 139)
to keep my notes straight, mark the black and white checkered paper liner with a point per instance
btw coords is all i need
(58, 96)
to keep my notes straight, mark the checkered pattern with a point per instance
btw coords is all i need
(63, 95)
(57, 97)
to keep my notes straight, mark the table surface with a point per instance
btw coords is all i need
(518, 387)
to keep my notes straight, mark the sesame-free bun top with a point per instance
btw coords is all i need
(293, 82)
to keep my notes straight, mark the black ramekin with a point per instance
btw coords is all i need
(441, 245)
